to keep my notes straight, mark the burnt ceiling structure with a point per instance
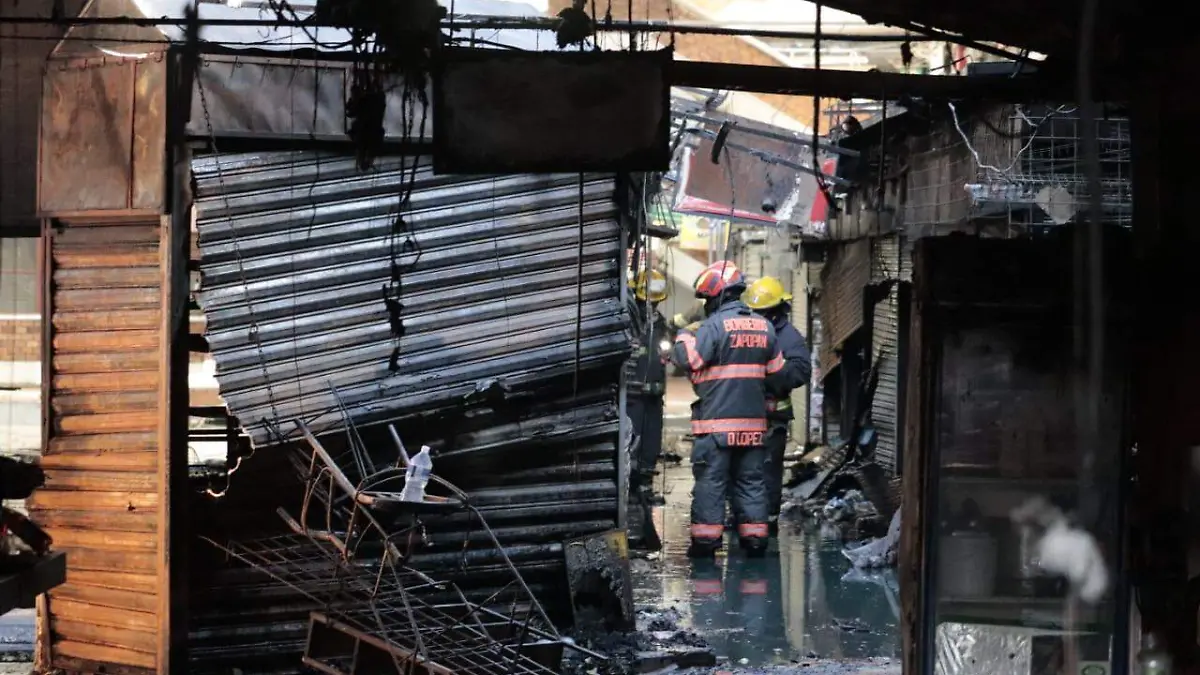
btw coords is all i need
(1048, 28)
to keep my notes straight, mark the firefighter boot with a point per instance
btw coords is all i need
(706, 540)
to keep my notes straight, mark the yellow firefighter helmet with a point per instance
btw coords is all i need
(765, 293)
(655, 289)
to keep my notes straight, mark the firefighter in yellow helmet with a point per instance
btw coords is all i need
(768, 297)
(646, 373)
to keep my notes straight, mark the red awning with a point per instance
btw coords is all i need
(703, 207)
(820, 207)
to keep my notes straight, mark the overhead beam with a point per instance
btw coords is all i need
(844, 84)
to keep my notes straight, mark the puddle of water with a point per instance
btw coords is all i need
(802, 600)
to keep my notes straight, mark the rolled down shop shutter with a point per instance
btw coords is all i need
(104, 501)
(295, 252)
(846, 271)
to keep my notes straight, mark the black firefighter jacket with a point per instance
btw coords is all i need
(646, 371)
(797, 368)
(728, 360)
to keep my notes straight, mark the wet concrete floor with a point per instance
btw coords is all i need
(803, 605)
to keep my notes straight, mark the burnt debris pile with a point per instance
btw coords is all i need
(349, 551)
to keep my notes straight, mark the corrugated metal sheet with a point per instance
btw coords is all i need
(846, 271)
(295, 250)
(885, 342)
(103, 490)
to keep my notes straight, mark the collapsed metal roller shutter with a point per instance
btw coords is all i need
(103, 502)
(296, 249)
(885, 344)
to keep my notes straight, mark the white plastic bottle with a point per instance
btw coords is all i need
(417, 476)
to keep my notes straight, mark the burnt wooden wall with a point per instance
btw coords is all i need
(107, 485)
(114, 369)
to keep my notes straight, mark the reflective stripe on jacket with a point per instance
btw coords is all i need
(728, 361)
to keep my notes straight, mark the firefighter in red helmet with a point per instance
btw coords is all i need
(728, 357)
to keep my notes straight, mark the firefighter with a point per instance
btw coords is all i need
(768, 297)
(646, 377)
(728, 358)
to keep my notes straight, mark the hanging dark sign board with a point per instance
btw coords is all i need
(550, 112)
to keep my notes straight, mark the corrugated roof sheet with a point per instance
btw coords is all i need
(297, 248)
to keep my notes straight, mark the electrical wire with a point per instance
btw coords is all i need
(1004, 173)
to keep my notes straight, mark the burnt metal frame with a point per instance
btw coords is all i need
(376, 603)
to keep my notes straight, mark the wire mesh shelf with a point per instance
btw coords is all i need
(1017, 167)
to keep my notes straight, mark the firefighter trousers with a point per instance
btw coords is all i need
(646, 415)
(736, 472)
(775, 445)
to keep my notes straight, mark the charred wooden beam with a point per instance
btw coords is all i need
(845, 84)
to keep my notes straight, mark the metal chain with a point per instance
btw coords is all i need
(254, 325)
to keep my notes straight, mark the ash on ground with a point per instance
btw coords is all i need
(658, 643)
(878, 666)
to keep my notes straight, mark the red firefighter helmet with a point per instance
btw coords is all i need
(718, 277)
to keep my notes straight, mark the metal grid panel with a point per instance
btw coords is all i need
(101, 502)
(383, 605)
(1008, 168)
